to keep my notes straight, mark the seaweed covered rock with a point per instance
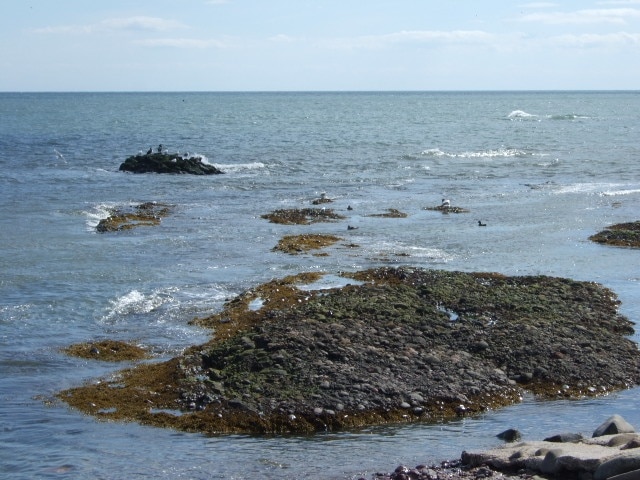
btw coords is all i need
(108, 351)
(143, 214)
(619, 235)
(302, 216)
(296, 244)
(165, 163)
(396, 345)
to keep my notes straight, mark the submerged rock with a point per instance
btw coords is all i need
(390, 213)
(165, 163)
(402, 345)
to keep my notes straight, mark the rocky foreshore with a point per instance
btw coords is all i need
(612, 453)
(396, 345)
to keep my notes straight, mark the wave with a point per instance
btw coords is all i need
(497, 153)
(568, 116)
(135, 302)
(97, 213)
(611, 193)
(168, 304)
(521, 114)
(602, 189)
(237, 167)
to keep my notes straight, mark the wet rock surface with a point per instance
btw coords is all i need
(168, 163)
(619, 235)
(144, 214)
(296, 244)
(447, 209)
(302, 216)
(390, 213)
(108, 351)
(404, 345)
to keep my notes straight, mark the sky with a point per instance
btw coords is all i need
(318, 45)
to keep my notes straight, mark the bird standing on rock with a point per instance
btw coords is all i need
(445, 203)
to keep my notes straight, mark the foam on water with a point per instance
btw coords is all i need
(502, 152)
(135, 302)
(237, 167)
(521, 115)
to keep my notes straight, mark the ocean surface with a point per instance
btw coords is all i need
(543, 170)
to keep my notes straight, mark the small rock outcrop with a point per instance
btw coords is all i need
(302, 216)
(619, 235)
(125, 218)
(604, 457)
(165, 163)
(296, 244)
(107, 351)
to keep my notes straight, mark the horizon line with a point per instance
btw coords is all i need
(585, 90)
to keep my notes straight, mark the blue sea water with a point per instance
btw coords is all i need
(543, 170)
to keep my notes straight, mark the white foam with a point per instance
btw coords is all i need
(492, 153)
(97, 213)
(604, 189)
(134, 302)
(328, 282)
(521, 114)
(236, 167)
(501, 152)
(611, 193)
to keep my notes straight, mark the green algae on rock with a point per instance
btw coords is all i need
(619, 235)
(390, 213)
(398, 345)
(144, 214)
(302, 216)
(295, 244)
(447, 209)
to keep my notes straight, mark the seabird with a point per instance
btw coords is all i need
(160, 148)
(445, 203)
(349, 207)
(150, 151)
(480, 224)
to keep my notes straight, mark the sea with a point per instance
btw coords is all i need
(543, 171)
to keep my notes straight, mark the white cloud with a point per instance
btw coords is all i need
(282, 38)
(115, 24)
(539, 5)
(597, 40)
(182, 43)
(141, 23)
(410, 36)
(604, 15)
(620, 2)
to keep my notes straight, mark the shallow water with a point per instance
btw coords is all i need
(543, 170)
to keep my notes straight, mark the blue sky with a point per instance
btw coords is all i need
(276, 45)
